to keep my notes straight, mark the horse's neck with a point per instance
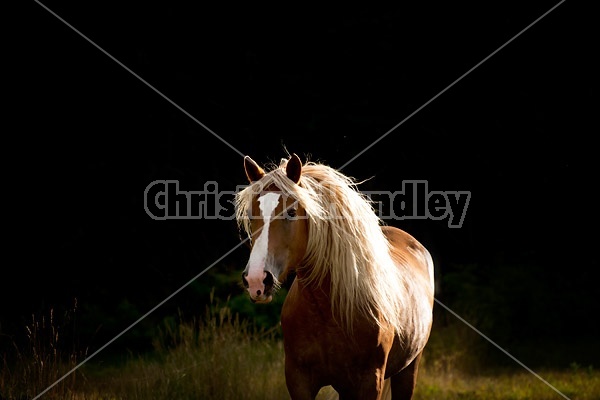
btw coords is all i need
(322, 288)
(313, 300)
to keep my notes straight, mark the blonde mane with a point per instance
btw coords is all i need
(345, 245)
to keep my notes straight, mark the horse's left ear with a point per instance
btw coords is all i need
(253, 171)
(293, 169)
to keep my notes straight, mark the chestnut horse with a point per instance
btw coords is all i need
(358, 313)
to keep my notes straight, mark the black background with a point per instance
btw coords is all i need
(88, 136)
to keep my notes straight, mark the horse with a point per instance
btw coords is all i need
(359, 311)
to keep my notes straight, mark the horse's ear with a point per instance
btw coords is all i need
(293, 169)
(253, 171)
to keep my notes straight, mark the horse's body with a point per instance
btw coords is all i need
(359, 312)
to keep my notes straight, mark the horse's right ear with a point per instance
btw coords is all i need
(253, 171)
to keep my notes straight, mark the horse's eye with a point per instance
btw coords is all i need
(291, 213)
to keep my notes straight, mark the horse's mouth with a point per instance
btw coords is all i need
(264, 299)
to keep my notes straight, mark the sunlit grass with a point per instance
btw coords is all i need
(513, 385)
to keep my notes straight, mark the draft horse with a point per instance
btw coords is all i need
(358, 313)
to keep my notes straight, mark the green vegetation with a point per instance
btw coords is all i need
(222, 356)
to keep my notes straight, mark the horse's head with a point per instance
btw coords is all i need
(278, 230)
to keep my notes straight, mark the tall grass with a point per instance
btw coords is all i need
(214, 357)
(50, 351)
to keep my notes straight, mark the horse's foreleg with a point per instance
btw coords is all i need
(371, 386)
(404, 382)
(299, 384)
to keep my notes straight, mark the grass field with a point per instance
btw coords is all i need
(220, 357)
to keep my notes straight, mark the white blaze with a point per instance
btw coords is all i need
(258, 257)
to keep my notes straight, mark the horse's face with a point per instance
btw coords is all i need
(279, 236)
(279, 230)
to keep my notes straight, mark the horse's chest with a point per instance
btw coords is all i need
(313, 339)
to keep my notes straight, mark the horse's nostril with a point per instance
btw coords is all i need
(268, 281)
(258, 292)
(244, 280)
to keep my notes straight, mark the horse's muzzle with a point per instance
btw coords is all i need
(261, 292)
